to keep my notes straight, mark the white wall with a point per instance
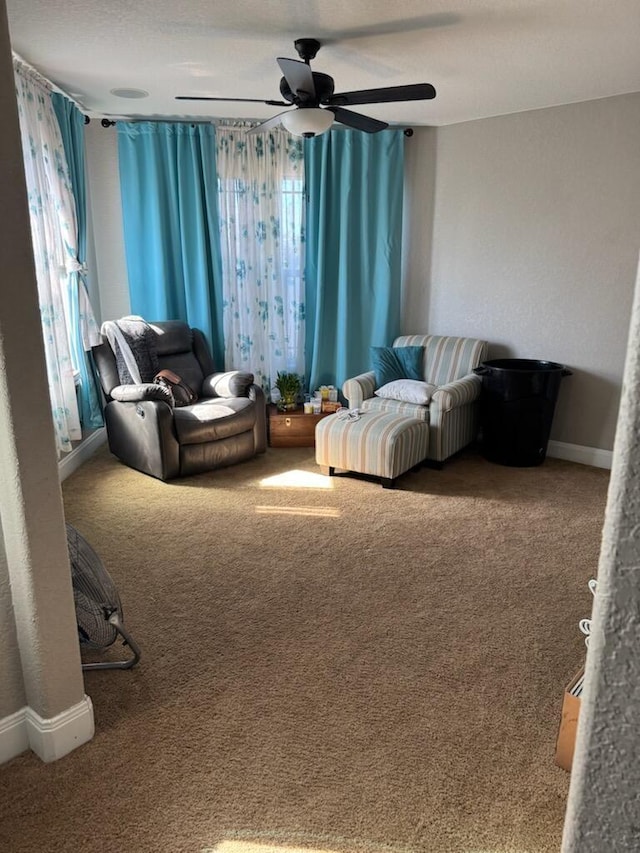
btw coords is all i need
(536, 233)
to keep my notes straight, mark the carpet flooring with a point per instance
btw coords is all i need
(327, 665)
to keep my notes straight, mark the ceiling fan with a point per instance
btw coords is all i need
(316, 105)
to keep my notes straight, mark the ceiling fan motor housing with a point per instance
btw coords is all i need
(306, 48)
(324, 86)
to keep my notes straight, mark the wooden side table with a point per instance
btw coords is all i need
(292, 429)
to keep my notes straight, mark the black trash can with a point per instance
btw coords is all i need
(517, 403)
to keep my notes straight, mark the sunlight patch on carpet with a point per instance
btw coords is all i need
(369, 847)
(259, 847)
(296, 479)
(309, 843)
(326, 511)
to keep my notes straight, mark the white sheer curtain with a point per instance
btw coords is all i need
(261, 203)
(54, 235)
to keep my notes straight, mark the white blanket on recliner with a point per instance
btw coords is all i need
(129, 339)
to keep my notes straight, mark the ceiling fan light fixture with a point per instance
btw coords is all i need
(308, 121)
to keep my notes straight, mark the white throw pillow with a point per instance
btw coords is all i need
(407, 391)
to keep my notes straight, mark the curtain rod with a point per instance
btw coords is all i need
(29, 70)
(106, 122)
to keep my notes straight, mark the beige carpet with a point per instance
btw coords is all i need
(328, 669)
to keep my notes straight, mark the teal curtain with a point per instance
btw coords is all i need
(71, 122)
(169, 206)
(354, 187)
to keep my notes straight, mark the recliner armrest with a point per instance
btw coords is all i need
(359, 388)
(142, 435)
(137, 393)
(232, 383)
(260, 430)
(457, 393)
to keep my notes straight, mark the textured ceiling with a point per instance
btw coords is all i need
(485, 57)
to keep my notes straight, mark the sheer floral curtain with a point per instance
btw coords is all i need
(54, 235)
(261, 204)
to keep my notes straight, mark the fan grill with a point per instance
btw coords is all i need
(95, 594)
(98, 608)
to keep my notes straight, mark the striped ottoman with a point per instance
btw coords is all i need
(381, 445)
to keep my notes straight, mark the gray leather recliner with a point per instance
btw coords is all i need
(226, 425)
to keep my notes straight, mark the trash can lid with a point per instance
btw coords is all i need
(523, 364)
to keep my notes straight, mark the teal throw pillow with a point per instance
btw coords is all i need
(391, 363)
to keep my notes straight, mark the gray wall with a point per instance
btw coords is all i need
(39, 638)
(534, 245)
(521, 229)
(12, 695)
(603, 811)
(106, 260)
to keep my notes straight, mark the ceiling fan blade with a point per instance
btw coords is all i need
(358, 121)
(244, 100)
(299, 77)
(413, 92)
(269, 123)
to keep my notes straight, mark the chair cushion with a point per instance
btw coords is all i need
(233, 383)
(172, 336)
(186, 365)
(389, 363)
(395, 407)
(445, 358)
(407, 391)
(212, 419)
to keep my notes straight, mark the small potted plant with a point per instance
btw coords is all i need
(289, 385)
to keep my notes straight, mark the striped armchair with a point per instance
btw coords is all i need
(452, 412)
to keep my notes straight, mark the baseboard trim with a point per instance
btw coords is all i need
(54, 737)
(578, 453)
(79, 455)
(13, 736)
(50, 738)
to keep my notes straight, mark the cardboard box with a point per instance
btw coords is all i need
(565, 743)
